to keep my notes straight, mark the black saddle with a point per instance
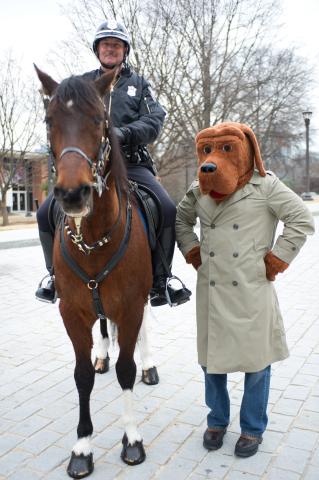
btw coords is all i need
(151, 209)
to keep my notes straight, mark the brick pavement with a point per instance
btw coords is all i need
(38, 400)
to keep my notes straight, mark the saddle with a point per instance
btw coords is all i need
(151, 211)
(149, 208)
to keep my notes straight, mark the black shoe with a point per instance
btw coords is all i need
(247, 446)
(163, 293)
(213, 439)
(48, 293)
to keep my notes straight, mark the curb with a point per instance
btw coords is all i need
(32, 242)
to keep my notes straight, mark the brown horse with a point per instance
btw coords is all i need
(112, 281)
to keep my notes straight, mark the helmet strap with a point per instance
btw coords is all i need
(107, 66)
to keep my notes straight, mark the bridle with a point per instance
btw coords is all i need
(98, 169)
(100, 174)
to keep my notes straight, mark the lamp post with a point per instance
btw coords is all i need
(307, 116)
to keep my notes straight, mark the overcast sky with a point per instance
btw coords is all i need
(33, 27)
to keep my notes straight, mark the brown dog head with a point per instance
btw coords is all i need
(227, 155)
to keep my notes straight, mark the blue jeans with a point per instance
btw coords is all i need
(253, 409)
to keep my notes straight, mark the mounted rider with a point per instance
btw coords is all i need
(137, 119)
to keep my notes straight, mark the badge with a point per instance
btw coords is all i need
(131, 91)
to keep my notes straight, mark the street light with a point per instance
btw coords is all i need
(307, 116)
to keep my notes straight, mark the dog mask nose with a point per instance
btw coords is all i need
(208, 167)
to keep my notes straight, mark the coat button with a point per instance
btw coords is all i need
(213, 225)
(235, 226)
(212, 283)
(235, 254)
(235, 283)
(211, 254)
(293, 248)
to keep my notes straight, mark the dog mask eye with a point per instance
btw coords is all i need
(227, 147)
(207, 149)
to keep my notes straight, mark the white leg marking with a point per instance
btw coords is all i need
(144, 341)
(102, 347)
(83, 445)
(128, 418)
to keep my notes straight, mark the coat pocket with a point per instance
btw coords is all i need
(261, 251)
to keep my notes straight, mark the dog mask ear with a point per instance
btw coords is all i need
(258, 160)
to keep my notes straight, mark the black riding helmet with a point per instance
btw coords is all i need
(111, 29)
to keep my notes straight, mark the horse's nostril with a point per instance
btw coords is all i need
(72, 196)
(208, 167)
(85, 191)
(58, 192)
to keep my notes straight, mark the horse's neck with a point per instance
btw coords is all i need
(104, 216)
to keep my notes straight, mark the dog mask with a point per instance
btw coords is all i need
(227, 155)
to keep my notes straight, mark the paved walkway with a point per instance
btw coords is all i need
(38, 400)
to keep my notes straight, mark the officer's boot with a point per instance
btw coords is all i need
(47, 293)
(162, 292)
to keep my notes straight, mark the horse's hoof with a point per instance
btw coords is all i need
(80, 466)
(132, 454)
(102, 365)
(150, 376)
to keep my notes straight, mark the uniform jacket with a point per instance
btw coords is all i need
(134, 106)
(239, 324)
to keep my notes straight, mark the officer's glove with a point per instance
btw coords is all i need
(123, 135)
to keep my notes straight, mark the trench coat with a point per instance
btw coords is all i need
(239, 323)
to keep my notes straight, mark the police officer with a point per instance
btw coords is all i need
(137, 119)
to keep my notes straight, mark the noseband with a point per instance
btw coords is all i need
(97, 168)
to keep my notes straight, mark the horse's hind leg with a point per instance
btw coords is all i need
(133, 451)
(81, 461)
(102, 359)
(149, 370)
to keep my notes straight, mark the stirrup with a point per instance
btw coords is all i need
(46, 294)
(182, 294)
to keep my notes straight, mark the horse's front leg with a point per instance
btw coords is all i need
(102, 359)
(81, 461)
(149, 370)
(133, 452)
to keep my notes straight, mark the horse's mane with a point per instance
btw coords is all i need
(85, 97)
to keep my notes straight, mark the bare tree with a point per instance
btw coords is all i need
(19, 119)
(209, 61)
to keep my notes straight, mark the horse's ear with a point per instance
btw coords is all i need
(49, 85)
(105, 81)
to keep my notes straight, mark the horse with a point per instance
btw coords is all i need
(114, 278)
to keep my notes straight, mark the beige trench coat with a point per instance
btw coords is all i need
(239, 324)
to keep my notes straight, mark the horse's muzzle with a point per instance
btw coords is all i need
(74, 201)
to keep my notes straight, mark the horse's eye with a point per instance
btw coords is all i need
(227, 147)
(97, 120)
(207, 149)
(48, 121)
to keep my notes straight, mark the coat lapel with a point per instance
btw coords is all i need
(213, 210)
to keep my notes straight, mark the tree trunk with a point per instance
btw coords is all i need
(4, 211)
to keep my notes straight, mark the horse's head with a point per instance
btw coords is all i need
(77, 125)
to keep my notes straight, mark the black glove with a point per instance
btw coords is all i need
(123, 135)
